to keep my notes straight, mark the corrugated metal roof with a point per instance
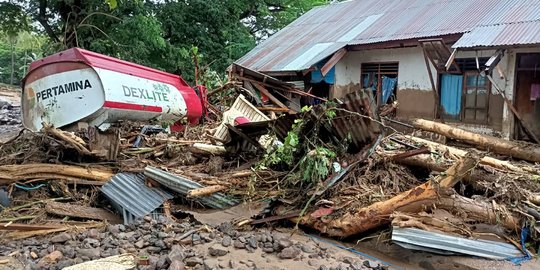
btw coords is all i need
(128, 192)
(522, 33)
(324, 30)
(436, 242)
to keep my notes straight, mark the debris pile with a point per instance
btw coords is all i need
(337, 167)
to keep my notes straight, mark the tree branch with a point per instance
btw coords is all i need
(42, 19)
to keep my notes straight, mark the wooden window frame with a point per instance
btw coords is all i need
(464, 96)
(379, 77)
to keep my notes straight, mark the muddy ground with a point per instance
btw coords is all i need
(10, 112)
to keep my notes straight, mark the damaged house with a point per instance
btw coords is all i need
(470, 63)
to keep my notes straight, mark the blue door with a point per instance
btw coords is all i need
(451, 89)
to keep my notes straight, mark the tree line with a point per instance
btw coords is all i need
(168, 35)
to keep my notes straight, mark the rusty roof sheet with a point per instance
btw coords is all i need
(324, 30)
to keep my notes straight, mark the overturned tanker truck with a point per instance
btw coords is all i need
(77, 85)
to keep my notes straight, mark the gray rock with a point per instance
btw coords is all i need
(285, 243)
(93, 233)
(177, 265)
(192, 261)
(238, 244)
(210, 264)
(162, 262)
(162, 235)
(217, 251)
(307, 248)
(227, 241)
(268, 250)
(64, 263)
(90, 243)
(176, 254)
(61, 238)
(92, 253)
(289, 253)
(312, 262)
(232, 264)
(252, 242)
(140, 244)
(323, 267)
(371, 264)
(114, 229)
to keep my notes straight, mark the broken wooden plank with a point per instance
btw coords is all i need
(267, 93)
(410, 153)
(522, 150)
(79, 211)
(333, 61)
(27, 234)
(13, 173)
(205, 191)
(26, 227)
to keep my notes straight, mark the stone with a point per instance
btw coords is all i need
(238, 244)
(371, 264)
(232, 264)
(289, 253)
(177, 265)
(162, 235)
(162, 262)
(93, 233)
(33, 255)
(252, 242)
(140, 244)
(217, 251)
(92, 253)
(268, 250)
(61, 238)
(312, 262)
(176, 254)
(192, 261)
(323, 267)
(210, 264)
(307, 248)
(53, 257)
(65, 263)
(91, 243)
(285, 243)
(227, 241)
(114, 229)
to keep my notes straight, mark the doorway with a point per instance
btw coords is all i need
(527, 98)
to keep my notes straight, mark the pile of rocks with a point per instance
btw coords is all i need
(164, 244)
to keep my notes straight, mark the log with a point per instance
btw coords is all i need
(208, 149)
(72, 140)
(521, 150)
(13, 173)
(377, 214)
(79, 211)
(205, 191)
(456, 152)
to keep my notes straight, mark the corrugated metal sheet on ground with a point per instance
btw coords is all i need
(413, 238)
(183, 185)
(521, 33)
(324, 30)
(129, 192)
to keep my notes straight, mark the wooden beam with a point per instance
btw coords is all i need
(270, 96)
(80, 211)
(333, 61)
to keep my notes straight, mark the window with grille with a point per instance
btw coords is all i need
(382, 79)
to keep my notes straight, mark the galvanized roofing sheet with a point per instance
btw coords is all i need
(129, 191)
(522, 33)
(324, 30)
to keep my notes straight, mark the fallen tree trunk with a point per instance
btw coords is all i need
(377, 214)
(79, 211)
(522, 150)
(13, 173)
(205, 191)
(458, 153)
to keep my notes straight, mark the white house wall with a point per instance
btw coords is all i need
(414, 92)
